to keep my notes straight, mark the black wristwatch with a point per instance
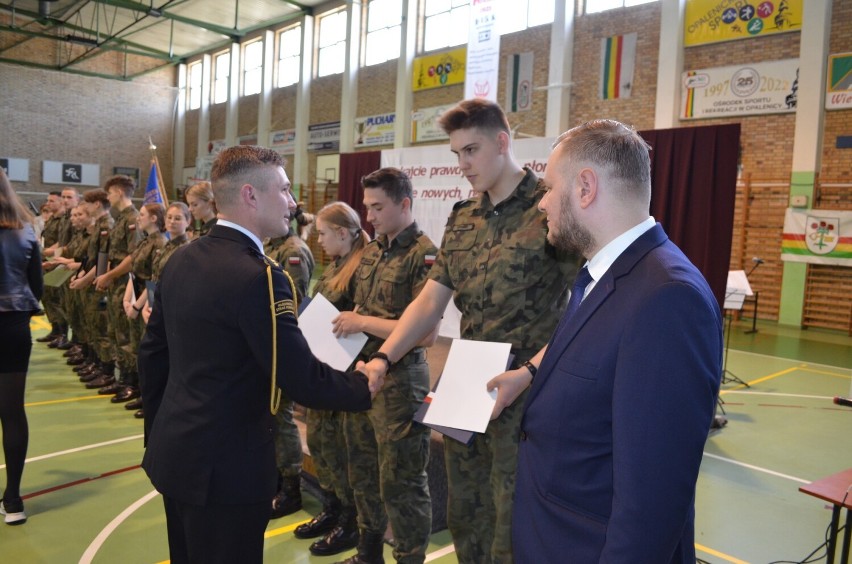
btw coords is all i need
(382, 356)
(531, 367)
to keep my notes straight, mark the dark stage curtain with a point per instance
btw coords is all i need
(353, 167)
(693, 180)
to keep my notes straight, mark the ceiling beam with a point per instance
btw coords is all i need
(56, 68)
(234, 34)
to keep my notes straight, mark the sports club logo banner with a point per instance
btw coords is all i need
(838, 94)
(817, 237)
(741, 90)
(712, 21)
(618, 59)
(436, 71)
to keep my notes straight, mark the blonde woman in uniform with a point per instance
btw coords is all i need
(199, 198)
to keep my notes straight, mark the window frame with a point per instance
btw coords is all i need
(199, 89)
(244, 70)
(318, 49)
(279, 38)
(215, 76)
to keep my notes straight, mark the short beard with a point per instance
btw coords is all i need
(571, 236)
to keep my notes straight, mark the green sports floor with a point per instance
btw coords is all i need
(88, 501)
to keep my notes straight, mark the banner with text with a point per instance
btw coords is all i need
(283, 141)
(519, 78)
(424, 124)
(483, 51)
(740, 90)
(442, 69)
(838, 94)
(712, 21)
(374, 130)
(817, 237)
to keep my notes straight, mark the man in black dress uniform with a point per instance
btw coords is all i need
(221, 339)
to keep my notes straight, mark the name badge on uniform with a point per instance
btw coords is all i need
(368, 261)
(463, 227)
(284, 307)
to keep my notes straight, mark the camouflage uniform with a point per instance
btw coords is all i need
(162, 256)
(295, 257)
(52, 297)
(142, 267)
(123, 239)
(76, 249)
(508, 283)
(66, 231)
(326, 439)
(388, 452)
(94, 313)
(205, 228)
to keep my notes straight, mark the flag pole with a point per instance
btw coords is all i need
(161, 185)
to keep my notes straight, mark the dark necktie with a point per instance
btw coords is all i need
(577, 291)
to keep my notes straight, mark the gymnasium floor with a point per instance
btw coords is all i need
(88, 501)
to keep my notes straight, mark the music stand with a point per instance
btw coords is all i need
(735, 293)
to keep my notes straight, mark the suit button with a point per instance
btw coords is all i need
(524, 435)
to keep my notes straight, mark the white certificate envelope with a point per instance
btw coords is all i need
(315, 323)
(461, 400)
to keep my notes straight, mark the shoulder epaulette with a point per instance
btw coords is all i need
(461, 203)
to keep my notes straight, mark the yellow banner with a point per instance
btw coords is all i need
(443, 69)
(712, 21)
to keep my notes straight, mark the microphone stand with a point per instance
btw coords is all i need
(757, 262)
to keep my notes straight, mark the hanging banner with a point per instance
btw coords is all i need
(483, 51)
(18, 170)
(712, 21)
(435, 71)
(374, 130)
(324, 136)
(838, 94)
(758, 88)
(618, 59)
(283, 141)
(424, 124)
(80, 174)
(817, 237)
(519, 78)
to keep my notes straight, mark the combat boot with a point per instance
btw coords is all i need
(341, 538)
(54, 333)
(370, 548)
(325, 521)
(61, 339)
(288, 500)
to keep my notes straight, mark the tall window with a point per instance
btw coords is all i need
(594, 6)
(517, 15)
(194, 91)
(332, 44)
(384, 18)
(221, 72)
(289, 56)
(446, 23)
(252, 67)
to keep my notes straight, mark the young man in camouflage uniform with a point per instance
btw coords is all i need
(51, 300)
(388, 452)
(70, 199)
(294, 256)
(508, 281)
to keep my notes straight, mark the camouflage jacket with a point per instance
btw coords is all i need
(162, 255)
(123, 236)
(294, 256)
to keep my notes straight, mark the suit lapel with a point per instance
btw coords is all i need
(602, 291)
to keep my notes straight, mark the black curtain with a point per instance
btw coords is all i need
(353, 167)
(693, 189)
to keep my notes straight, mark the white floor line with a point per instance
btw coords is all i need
(750, 393)
(440, 552)
(79, 449)
(99, 540)
(757, 468)
(793, 360)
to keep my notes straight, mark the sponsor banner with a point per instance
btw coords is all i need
(247, 139)
(740, 90)
(483, 51)
(424, 124)
(283, 141)
(435, 71)
(712, 21)
(838, 93)
(324, 136)
(618, 59)
(519, 82)
(18, 170)
(817, 237)
(374, 130)
(79, 174)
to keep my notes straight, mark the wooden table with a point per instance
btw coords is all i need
(837, 490)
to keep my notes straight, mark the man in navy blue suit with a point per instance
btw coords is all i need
(622, 397)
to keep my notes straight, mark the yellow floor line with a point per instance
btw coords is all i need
(718, 554)
(826, 373)
(764, 378)
(281, 530)
(38, 323)
(66, 400)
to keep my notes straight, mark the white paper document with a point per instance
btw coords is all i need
(736, 289)
(461, 400)
(315, 323)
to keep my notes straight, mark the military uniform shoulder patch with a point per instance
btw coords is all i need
(294, 260)
(283, 307)
(462, 203)
(429, 260)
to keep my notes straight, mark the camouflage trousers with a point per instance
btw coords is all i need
(119, 325)
(327, 444)
(388, 454)
(288, 443)
(52, 302)
(481, 484)
(73, 305)
(95, 320)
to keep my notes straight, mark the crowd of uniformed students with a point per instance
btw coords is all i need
(494, 262)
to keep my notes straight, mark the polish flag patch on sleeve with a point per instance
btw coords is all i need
(429, 260)
(294, 260)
